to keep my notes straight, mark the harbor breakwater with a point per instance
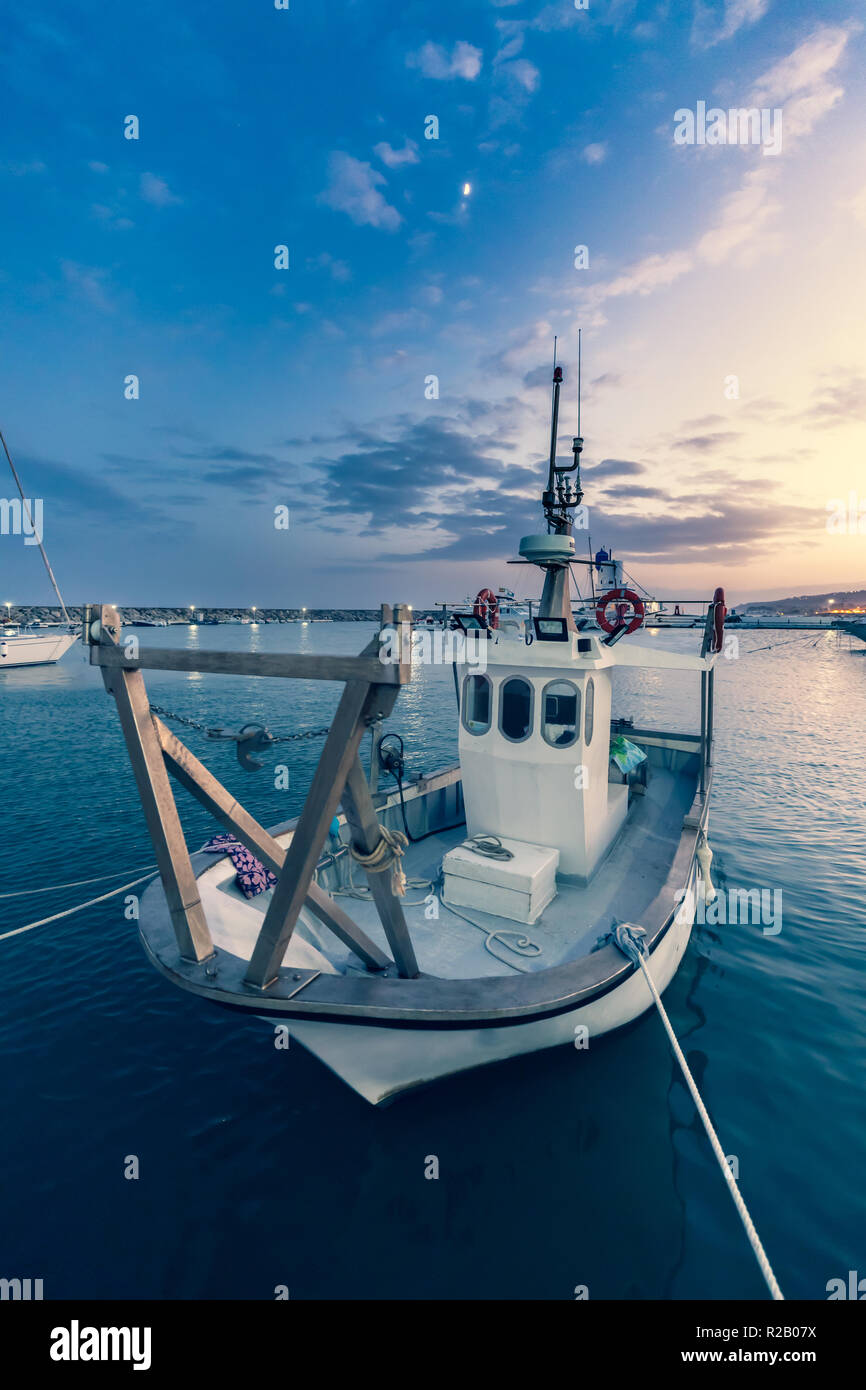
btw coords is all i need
(132, 616)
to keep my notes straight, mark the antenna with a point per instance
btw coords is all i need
(579, 331)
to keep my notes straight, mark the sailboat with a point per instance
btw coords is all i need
(419, 931)
(23, 645)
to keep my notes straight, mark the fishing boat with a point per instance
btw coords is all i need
(415, 931)
(32, 645)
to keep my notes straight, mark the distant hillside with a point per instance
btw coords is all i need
(809, 603)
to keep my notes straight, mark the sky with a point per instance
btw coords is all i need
(171, 389)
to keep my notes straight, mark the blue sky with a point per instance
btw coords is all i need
(305, 387)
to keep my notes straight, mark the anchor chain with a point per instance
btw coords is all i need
(251, 738)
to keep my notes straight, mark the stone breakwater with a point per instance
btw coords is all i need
(29, 613)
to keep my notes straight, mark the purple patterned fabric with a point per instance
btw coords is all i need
(252, 877)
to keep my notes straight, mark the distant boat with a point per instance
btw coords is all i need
(21, 645)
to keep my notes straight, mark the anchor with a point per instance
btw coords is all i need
(253, 738)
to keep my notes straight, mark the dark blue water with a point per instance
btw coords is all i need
(258, 1168)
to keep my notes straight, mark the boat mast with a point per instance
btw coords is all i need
(26, 507)
(559, 500)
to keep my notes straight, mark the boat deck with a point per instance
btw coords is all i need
(457, 944)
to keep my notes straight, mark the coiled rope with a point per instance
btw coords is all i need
(490, 846)
(386, 855)
(632, 942)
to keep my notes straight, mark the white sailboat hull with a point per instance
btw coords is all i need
(35, 649)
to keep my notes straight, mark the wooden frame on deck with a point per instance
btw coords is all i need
(371, 688)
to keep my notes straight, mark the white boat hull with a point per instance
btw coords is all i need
(382, 1062)
(35, 649)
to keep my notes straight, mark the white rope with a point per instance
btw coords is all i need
(79, 883)
(386, 855)
(78, 908)
(351, 889)
(637, 954)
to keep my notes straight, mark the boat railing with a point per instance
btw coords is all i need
(370, 689)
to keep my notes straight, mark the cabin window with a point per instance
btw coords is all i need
(515, 709)
(476, 704)
(589, 711)
(561, 719)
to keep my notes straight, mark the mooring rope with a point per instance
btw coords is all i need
(632, 942)
(79, 883)
(78, 908)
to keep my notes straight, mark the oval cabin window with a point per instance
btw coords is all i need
(561, 713)
(515, 709)
(590, 711)
(476, 704)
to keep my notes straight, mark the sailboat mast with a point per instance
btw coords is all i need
(26, 507)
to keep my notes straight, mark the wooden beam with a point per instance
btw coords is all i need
(172, 856)
(366, 834)
(295, 665)
(358, 704)
(186, 769)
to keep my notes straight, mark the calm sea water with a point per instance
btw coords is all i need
(259, 1168)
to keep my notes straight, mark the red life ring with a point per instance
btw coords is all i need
(719, 614)
(620, 597)
(486, 608)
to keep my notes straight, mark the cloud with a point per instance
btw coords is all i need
(435, 488)
(706, 443)
(649, 274)
(353, 188)
(524, 73)
(434, 61)
(80, 493)
(157, 192)
(805, 67)
(839, 401)
(798, 84)
(613, 468)
(857, 206)
(742, 217)
(799, 81)
(431, 486)
(88, 283)
(594, 154)
(338, 270)
(395, 159)
(19, 169)
(711, 28)
(96, 166)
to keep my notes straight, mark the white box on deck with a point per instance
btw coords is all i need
(519, 888)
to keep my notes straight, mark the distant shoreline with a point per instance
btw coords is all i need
(184, 617)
